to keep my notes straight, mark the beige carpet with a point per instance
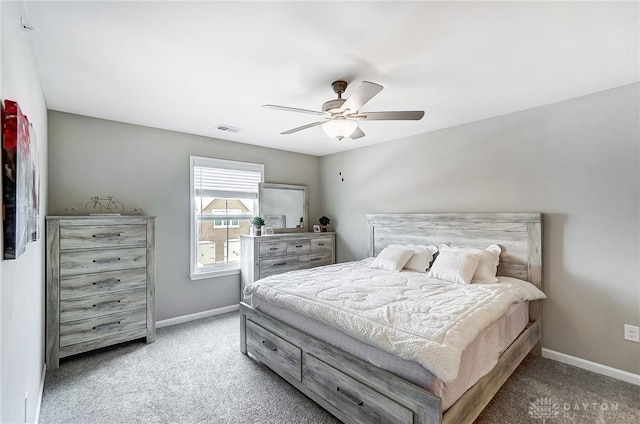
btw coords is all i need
(195, 373)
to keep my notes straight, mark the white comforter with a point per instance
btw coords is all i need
(408, 314)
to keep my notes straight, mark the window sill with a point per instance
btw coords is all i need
(214, 274)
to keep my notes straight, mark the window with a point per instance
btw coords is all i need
(224, 198)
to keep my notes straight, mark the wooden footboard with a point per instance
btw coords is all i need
(357, 392)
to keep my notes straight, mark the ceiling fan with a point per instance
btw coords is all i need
(340, 115)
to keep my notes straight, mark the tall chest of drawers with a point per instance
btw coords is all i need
(100, 283)
(273, 254)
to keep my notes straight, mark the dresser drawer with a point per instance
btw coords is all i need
(275, 352)
(102, 304)
(321, 245)
(103, 326)
(277, 266)
(91, 261)
(356, 400)
(297, 247)
(91, 284)
(91, 236)
(272, 249)
(309, 261)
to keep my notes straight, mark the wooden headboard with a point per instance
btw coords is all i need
(518, 234)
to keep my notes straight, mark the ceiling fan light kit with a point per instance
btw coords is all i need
(339, 128)
(340, 115)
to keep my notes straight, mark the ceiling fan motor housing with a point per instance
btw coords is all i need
(332, 106)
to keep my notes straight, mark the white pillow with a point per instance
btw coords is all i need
(457, 267)
(421, 258)
(489, 260)
(392, 258)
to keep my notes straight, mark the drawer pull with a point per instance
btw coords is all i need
(320, 244)
(105, 282)
(110, 325)
(106, 304)
(269, 346)
(105, 261)
(273, 248)
(315, 259)
(350, 397)
(279, 264)
(108, 235)
(298, 246)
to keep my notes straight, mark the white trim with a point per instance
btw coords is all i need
(592, 366)
(36, 418)
(219, 163)
(214, 273)
(197, 315)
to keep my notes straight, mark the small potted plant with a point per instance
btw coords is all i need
(256, 225)
(324, 221)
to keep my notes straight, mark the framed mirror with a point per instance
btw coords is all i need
(284, 207)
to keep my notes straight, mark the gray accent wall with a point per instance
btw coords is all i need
(22, 279)
(149, 168)
(577, 162)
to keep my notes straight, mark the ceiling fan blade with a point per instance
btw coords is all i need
(304, 127)
(295, 109)
(362, 95)
(357, 134)
(405, 115)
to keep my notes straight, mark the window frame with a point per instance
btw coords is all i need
(194, 161)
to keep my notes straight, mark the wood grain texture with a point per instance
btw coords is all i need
(92, 261)
(102, 304)
(519, 235)
(280, 355)
(361, 403)
(151, 280)
(52, 330)
(75, 286)
(424, 405)
(102, 326)
(95, 236)
(100, 283)
(262, 256)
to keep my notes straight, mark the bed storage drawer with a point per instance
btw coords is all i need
(274, 351)
(356, 400)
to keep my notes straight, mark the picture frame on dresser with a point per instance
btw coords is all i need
(100, 283)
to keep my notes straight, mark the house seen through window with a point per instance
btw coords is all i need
(224, 199)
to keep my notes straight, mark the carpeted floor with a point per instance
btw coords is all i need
(195, 373)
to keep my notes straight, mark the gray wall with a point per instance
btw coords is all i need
(22, 279)
(149, 168)
(576, 161)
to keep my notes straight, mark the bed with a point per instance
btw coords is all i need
(359, 387)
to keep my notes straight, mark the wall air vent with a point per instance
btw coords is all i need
(227, 128)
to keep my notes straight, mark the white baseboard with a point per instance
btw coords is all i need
(197, 315)
(36, 417)
(592, 366)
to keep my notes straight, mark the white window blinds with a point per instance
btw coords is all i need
(221, 178)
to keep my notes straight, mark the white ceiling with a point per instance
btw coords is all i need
(189, 66)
